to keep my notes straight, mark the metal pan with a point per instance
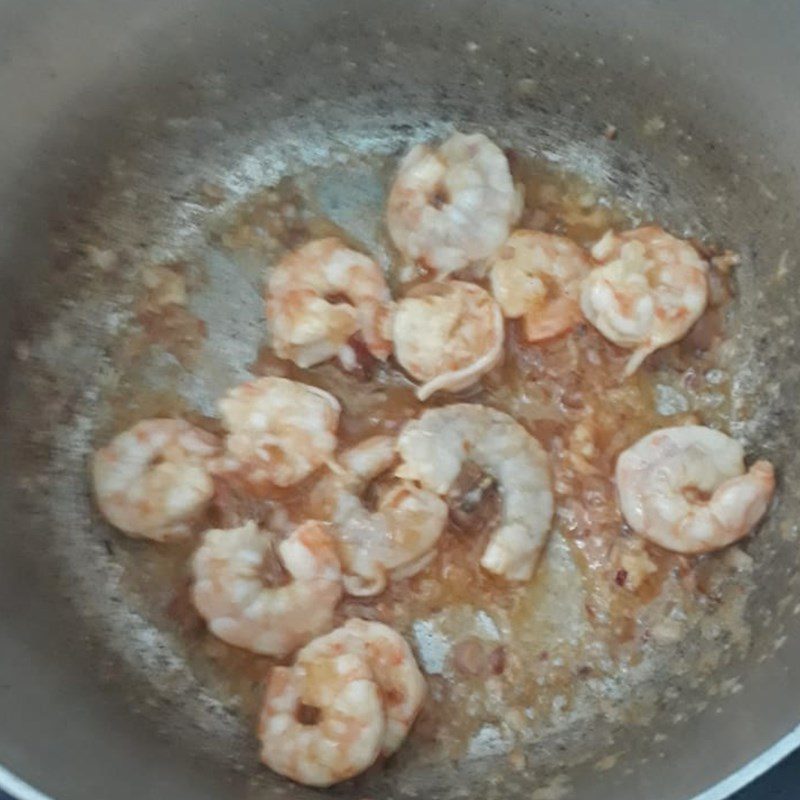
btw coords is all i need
(114, 112)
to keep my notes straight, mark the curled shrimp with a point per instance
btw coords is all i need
(393, 540)
(436, 447)
(308, 321)
(394, 669)
(231, 593)
(451, 206)
(446, 335)
(322, 720)
(280, 431)
(537, 276)
(687, 489)
(152, 481)
(650, 290)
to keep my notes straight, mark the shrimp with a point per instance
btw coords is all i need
(650, 290)
(687, 489)
(402, 687)
(309, 323)
(322, 720)
(231, 593)
(435, 448)
(280, 431)
(394, 539)
(152, 481)
(453, 206)
(537, 276)
(447, 335)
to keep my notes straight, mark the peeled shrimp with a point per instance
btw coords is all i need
(395, 538)
(345, 734)
(650, 290)
(231, 593)
(280, 431)
(152, 481)
(454, 205)
(309, 323)
(537, 276)
(435, 448)
(447, 335)
(687, 489)
(394, 669)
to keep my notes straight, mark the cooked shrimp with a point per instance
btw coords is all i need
(280, 431)
(435, 448)
(231, 593)
(447, 335)
(396, 537)
(308, 320)
(322, 720)
(153, 481)
(401, 685)
(687, 489)
(537, 276)
(450, 207)
(650, 290)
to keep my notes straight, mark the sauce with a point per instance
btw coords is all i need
(495, 653)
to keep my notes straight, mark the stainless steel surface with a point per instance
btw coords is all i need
(114, 113)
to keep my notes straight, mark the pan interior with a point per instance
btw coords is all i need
(146, 165)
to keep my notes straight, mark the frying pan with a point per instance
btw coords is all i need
(114, 112)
